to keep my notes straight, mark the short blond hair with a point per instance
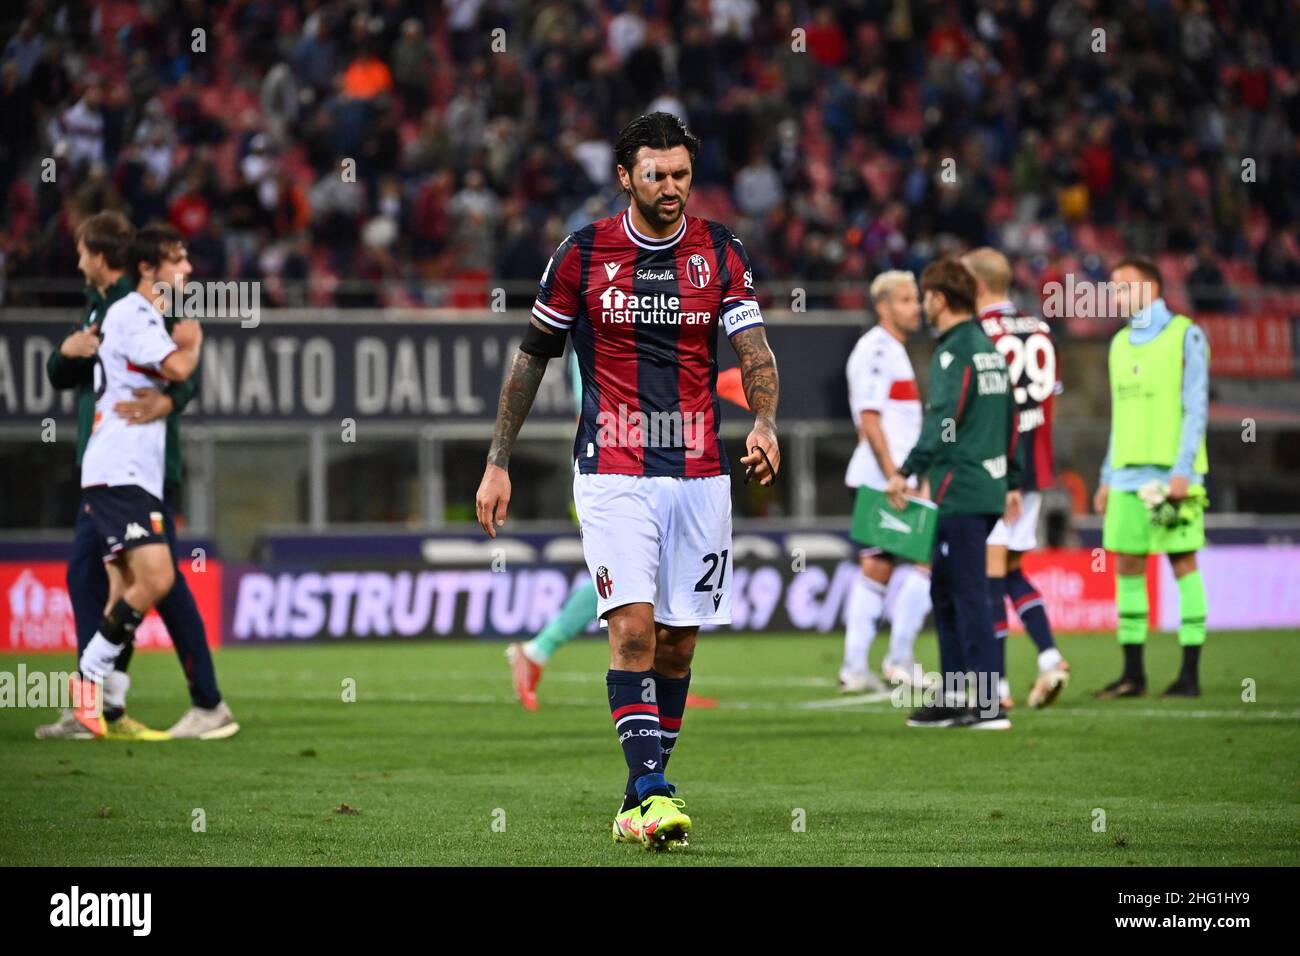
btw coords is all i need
(991, 268)
(885, 283)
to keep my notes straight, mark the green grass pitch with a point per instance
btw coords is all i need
(442, 767)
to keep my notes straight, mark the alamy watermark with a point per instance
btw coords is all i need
(625, 428)
(978, 690)
(211, 300)
(42, 689)
(1089, 299)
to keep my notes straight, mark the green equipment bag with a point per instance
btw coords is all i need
(908, 533)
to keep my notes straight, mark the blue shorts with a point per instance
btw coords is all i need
(125, 517)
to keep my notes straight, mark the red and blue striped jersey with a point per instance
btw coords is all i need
(1026, 343)
(643, 315)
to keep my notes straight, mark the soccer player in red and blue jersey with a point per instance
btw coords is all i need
(1026, 343)
(643, 294)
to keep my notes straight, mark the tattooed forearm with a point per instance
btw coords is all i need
(516, 399)
(758, 373)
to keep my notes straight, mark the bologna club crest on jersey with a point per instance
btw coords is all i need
(604, 583)
(697, 271)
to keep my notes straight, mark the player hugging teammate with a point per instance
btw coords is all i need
(131, 368)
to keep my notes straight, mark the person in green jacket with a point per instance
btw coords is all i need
(1152, 488)
(967, 451)
(102, 243)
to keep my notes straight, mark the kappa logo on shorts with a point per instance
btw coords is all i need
(134, 531)
(604, 583)
(156, 520)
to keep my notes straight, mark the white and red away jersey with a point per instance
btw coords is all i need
(134, 344)
(881, 380)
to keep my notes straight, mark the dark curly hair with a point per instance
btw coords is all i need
(656, 130)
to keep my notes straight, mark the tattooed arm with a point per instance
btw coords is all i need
(516, 399)
(762, 388)
(493, 498)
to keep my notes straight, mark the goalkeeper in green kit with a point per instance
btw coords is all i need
(1152, 488)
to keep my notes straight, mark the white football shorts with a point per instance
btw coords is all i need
(1023, 535)
(659, 540)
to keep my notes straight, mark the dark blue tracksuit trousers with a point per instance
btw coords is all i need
(88, 592)
(959, 591)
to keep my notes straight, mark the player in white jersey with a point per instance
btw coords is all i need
(122, 469)
(887, 413)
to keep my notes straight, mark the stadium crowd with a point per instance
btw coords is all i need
(323, 145)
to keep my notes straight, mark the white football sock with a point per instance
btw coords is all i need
(866, 601)
(98, 658)
(896, 582)
(910, 609)
(116, 684)
(1049, 658)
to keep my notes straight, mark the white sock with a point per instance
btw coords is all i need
(1049, 658)
(866, 602)
(533, 651)
(116, 684)
(98, 658)
(896, 582)
(910, 609)
(1004, 687)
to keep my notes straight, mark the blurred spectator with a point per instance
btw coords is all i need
(78, 132)
(96, 193)
(1206, 285)
(24, 49)
(828, 156)
(1278, 262)
(16, 121)
(475, 211)
(190, 212)
(367, 76)
(314, 55)
(279, 98)
(410, 67)
(758, 188)
(337, 201)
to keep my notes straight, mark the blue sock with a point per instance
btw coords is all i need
(633, 702)
(671, 692)
(998, 606)
(672, 707)
(1029, 605)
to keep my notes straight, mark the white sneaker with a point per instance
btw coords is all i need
(907, 673)
(1049, 685)
(862, 684)
(67, 727)
(200, 723)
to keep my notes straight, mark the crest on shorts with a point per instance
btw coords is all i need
(604, 583)
(697, 271)
(156, 521)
